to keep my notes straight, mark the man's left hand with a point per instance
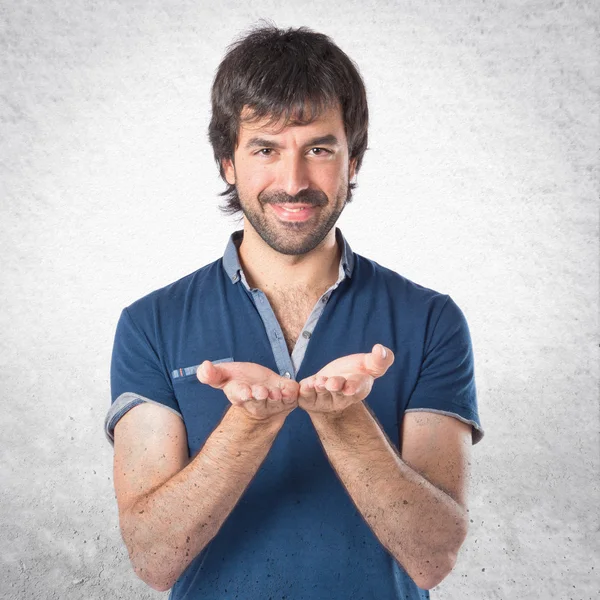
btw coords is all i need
(344, 381)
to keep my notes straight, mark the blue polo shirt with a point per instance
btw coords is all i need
(295, 533)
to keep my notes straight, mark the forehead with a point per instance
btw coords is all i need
(329, 119)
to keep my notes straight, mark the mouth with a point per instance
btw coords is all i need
(294, 212)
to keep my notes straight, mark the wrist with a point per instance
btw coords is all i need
(333, 417)
(253, 424)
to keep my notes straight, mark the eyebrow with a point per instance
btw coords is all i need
(323, 140)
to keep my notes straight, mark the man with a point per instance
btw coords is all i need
(292, 420)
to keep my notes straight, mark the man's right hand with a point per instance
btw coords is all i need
(155, 479)
(260, 392)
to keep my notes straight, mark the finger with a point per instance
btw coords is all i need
(335, 384)
(289, 392)
(350, 388)
(358, 385)
(238, 393)
(324, 399)
(307, 391)
(211, 375)
(277, 405)
(379, 360)
(244, 396)
(260, 392)
(320, 382)
(275, 395)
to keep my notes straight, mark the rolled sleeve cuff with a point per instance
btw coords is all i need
(466, 416)
(123, 404)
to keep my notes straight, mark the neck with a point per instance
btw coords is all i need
(271, 271)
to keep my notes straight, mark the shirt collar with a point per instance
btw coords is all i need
(231, 261)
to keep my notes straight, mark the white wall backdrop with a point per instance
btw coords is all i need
(481, 181)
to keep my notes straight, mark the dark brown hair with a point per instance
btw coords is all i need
(294, 74)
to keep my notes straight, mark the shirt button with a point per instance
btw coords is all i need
(286, 374)
(324, 299)
(306, 334)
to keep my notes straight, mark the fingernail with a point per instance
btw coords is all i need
(383, 352)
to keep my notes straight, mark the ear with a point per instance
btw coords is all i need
(229, 170)
(352, 169)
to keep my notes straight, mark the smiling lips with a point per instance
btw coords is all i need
(294, 212)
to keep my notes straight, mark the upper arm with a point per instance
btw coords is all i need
(150, 447)
(434, 443)
(439, 448)
(150, 441)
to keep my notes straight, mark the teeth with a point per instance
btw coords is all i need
(292, 210)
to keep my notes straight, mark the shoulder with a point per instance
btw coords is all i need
(418, 310)
(411, 296)
(174, 297)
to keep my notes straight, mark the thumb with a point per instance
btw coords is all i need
(380, 359)
(211, 375)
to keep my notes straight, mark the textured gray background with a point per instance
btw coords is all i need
(481, 181)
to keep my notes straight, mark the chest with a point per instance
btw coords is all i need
(292, 310)
(235, 330)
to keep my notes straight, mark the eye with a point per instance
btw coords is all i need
(320, 151)
(265, 152)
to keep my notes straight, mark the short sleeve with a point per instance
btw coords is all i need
(136, 374)
(446, 382)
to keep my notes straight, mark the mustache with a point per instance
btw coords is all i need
(311, 197)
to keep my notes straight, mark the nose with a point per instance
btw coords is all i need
(293, 175)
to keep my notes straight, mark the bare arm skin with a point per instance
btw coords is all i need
(171, 507)
(417, 506)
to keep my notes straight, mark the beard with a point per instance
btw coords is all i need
(294, 238)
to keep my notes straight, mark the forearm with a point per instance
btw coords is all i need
(419, 524)
(165, 529)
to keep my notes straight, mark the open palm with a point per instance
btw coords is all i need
(344, 381)
(261, 392)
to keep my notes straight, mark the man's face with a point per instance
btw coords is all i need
(301, 166)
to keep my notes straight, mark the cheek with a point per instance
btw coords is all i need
(253, 178)
(337, 178)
